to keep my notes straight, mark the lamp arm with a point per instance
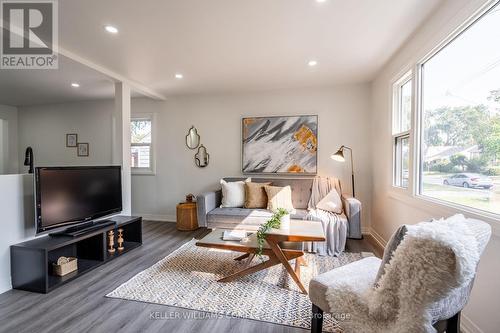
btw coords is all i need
(352, 168)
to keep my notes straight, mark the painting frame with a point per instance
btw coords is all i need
(83, 149)
(71, 140)
(245, 171)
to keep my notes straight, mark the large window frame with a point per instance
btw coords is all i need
(151, 170)
(414, 189)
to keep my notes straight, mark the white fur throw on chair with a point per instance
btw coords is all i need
(433, 258)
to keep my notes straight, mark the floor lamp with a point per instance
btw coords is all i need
(339, 156)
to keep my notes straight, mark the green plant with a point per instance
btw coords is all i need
(275, 223)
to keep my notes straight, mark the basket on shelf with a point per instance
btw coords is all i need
(65, 265)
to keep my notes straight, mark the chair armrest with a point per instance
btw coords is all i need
(356, 277)
(205, 203)
(352, 209)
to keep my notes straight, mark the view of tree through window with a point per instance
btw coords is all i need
(460, 147)
(140, 143)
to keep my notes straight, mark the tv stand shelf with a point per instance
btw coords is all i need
(31, 261)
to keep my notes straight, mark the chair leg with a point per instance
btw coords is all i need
(453, 325)
(317, 320)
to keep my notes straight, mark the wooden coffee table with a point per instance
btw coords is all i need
(275, 249)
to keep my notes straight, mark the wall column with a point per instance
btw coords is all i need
(121, 141)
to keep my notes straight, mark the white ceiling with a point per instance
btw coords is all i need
(228, 45)
(35, 87)
(31, 86)
(218, 45)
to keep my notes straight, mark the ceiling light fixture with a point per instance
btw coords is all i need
(111, 29)
(179, 76)
(312, 63)
(75, 85)
(320, 1)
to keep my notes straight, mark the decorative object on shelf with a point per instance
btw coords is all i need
(111, 241)
(83, 149)
(273, 223)
(202, 157)
(120, 240)
(29, 160)
(65, 265)
(339, 157)
(71, 140)
(187, 218)
(190, 197)
(280, 145)
(192, 138)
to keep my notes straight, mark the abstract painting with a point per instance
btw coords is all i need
(280, 144)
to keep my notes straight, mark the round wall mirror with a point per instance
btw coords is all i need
(192, 138)
(202, 157)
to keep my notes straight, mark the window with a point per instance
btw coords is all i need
(141, 145)
(460, 119)
(402, 95)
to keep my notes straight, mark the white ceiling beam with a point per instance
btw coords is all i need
(136, 86)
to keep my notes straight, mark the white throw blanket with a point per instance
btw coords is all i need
(432, 259)
(335, 228)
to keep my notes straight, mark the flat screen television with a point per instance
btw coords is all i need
(69, 196)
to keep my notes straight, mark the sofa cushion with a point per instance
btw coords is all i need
(255, 195)
(301, 188)
(279, 197)
(242, 218)
(233, 193)
(331, 202)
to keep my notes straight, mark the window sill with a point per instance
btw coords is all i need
(139, 172)
(438, 208)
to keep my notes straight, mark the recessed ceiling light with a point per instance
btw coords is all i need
(312, 63)
(111, 29)
(320, 1)
(179, 76)
(75, 85)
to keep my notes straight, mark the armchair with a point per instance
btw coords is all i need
(376, 295)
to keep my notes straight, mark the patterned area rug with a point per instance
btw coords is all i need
(188, 277)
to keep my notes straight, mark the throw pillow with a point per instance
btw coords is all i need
(331, 202)
(391, 246)
(279, 197)
(255, 195)
(233, 193)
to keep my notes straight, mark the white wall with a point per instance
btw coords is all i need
(391, 207)
(44, 128)
(342, 111)
(9, 150)
(17, 222)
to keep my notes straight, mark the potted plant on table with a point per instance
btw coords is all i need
(279, 220)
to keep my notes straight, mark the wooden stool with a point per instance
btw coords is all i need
(186, 216)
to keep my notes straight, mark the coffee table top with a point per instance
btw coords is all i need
(300, 231)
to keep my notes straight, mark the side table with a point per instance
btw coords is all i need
(186, 216)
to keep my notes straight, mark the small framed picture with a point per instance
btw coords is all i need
(71, 140)
(83, 149)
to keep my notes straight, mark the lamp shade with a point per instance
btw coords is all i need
(339, 155)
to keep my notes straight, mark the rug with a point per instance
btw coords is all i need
(187, 278)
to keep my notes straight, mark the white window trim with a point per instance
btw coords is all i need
(401, 79)
(151, 171)
(417, 127)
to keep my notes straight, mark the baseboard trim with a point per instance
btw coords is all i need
(160, 218)
(381, 242)
(468, 326)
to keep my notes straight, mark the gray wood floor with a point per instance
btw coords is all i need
(80, 306)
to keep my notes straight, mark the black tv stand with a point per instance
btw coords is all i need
(83, 228)
(31, 261)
